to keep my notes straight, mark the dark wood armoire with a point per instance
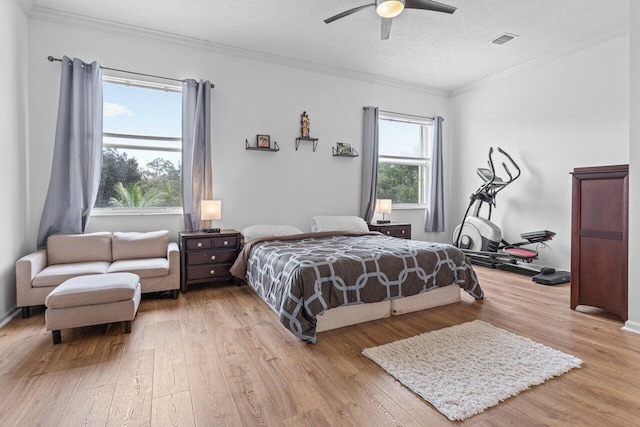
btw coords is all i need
(599, 243)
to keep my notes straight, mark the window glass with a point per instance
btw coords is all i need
(403, 161)
(400, 139)
(141, 146)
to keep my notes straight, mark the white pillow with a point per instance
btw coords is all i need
(265, 230)
(350, 224)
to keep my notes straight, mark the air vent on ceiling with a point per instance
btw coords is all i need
(506, 37)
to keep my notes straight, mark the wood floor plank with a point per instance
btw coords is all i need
(89, 406)
(173, 410)
(170, 369)
(131, 403)
(212, 401)
(103, 365)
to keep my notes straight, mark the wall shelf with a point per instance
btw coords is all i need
(248, 147)
(354, 153)
(314, 140)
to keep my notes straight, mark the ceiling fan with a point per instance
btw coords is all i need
(388, 9)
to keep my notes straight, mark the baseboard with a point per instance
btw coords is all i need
(630, 326)
(9, 317)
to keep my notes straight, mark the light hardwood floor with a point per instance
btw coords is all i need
(218, 356)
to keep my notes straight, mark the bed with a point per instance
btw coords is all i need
(359, 276)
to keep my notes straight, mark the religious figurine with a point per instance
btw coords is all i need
(305, 124)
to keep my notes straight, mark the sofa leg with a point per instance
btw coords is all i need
(57, 339)
(174, 294)
(127, 326)
(25, 313)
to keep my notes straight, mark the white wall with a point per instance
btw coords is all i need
(552, 117)
(633, 324)
(250, 97)
(13, 134)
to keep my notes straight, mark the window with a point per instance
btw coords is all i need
(403, 162)
(142, 145)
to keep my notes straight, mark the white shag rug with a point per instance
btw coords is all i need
(465, 369)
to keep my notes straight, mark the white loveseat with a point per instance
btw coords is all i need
(149, 255)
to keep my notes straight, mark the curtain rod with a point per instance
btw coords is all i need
(402, 114)
(51, 59)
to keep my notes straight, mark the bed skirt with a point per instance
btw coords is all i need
(348, 315)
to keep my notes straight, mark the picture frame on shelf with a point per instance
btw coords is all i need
(344, 149)
(263, 141)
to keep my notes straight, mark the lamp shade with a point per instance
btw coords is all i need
(389, 8)
(211, 209)
(383, 206)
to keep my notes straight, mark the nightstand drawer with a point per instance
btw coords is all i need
(401, 230)
(211, 257)
(396, 231)
(225, 242)
(210, 271)
(203, 243)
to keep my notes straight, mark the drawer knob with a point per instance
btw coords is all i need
(213, 257)
(388, 232)
(226, 242)
(402, 231)
(212, 272)
(199, 244)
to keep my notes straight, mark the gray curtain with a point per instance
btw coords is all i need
(196, 150)
(369, 163)
(77, 153)
(435, 202)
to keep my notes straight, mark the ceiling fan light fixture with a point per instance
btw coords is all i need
(389, 8)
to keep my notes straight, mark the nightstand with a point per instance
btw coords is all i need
(207, 257)
(394, 229)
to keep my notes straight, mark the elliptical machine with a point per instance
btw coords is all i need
(482, 240)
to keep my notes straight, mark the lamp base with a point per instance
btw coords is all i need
(383, 221)
(210, 230)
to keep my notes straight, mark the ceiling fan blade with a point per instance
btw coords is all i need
(347, 13)
(429, 5)
(386, 28)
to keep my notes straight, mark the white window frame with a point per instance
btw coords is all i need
(109, 211)
(423, 162)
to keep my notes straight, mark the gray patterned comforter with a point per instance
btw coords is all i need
(302, 276)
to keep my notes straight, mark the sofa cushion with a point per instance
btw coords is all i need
(72, 248)
(140, 245)
(147, 267)
(93, 289)
(56, 274)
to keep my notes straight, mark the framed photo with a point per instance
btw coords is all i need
(263, 141)
(343, 149)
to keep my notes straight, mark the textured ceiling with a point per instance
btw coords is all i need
(426, 48)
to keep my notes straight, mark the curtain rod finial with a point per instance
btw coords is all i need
(50, 58)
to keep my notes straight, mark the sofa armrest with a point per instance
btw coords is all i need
(27, 268)
(173, 255)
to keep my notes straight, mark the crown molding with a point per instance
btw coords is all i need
(584, 44)
(26, 6)
(65, 18)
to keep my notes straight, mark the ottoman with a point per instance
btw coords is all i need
(93, 300)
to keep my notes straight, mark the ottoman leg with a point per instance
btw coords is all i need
(57, 339)
(174, 294)
(127, 326)
(25, 312)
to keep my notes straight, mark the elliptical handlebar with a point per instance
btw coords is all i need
(513, 163)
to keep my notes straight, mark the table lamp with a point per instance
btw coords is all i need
(211, 209)
(383, 206)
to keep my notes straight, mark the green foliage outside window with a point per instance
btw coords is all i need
(399, 183)
(124, 183)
